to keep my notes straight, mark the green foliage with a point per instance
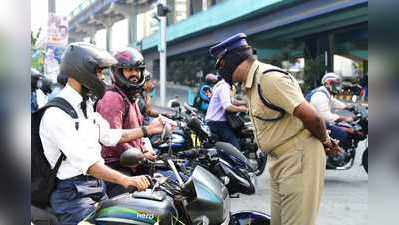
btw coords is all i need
(286, 54)
(37, 52)
(35, 38)
(183, 69)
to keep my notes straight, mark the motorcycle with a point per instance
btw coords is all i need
(357, 131)
(184, 138)
(222, 159)
(202, 199)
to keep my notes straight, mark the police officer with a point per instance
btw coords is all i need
(286, 127)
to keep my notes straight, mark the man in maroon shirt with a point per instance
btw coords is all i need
(119, 107)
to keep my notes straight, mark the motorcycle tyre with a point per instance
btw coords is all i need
(365, 160)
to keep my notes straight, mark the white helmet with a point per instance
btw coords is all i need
(334, 82)
(331, 77)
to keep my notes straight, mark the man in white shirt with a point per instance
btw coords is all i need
(322, 98)
(80, 177)
(219, 104)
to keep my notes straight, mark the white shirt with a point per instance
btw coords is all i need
(324, 102)
(220, 101)
(81, 147)
(41, 98)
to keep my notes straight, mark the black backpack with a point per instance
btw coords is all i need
(43, 178)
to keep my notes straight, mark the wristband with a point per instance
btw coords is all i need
(145, 131)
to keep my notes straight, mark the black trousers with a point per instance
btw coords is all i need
(225, 133)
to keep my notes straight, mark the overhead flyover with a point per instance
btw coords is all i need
(93, 15)
(260, 20)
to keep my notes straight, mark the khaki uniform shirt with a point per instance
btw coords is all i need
(280, 90)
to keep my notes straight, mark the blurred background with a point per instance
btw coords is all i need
(192, 28)
(307, 38)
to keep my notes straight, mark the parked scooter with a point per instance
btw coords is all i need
(358, 131)
(202, 199)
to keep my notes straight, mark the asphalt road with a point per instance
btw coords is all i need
(345, 200)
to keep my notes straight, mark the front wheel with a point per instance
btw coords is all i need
(365, 160)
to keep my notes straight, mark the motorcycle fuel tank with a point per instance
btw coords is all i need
(144, 208)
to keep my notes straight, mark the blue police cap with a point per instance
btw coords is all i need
(233, 42)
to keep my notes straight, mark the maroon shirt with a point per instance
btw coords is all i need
(112, 108)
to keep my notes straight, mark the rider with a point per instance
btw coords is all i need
(80, 177)
(201, 101)
(322, 98)
(219, 104)
(120, 108)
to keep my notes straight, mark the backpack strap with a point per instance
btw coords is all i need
(267, 102)
(65, 106)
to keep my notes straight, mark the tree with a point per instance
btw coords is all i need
(37, 52)
(312, 71)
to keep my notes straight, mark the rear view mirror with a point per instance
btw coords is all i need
(131, 157)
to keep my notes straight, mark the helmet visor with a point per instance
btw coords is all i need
(105, 75)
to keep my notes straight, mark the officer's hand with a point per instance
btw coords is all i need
(141, 183)
(332, 148)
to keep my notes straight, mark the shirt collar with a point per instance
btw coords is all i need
(251, 74)
(71, 95)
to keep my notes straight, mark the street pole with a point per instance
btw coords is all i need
(51, 6)
(162, 56)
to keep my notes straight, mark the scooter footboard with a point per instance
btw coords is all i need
(249, 217)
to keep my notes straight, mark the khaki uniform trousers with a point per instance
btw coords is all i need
(297, 170)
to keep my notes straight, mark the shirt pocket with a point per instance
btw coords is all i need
(259, 110)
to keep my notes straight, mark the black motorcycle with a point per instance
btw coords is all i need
(183, 138)
(221, 159)
(202, 199)
(357, 131)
